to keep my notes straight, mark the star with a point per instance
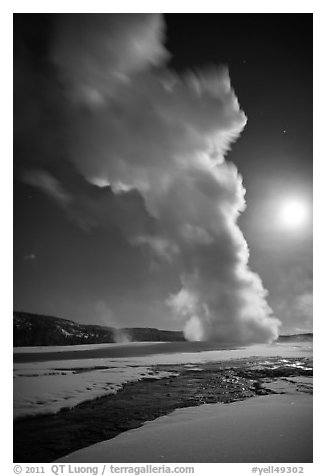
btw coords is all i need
(30, 257)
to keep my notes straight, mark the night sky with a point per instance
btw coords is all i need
(83, 214)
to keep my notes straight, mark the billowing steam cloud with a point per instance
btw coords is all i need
(141, 134)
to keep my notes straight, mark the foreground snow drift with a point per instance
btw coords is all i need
(275, 428)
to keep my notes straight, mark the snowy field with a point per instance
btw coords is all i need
(275, 428)
(47, 386)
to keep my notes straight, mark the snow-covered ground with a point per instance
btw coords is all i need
(274, 428)
(46, 387)
(65, 348)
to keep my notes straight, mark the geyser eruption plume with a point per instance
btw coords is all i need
(160, 138)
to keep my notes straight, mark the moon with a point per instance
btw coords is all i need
(293, 213)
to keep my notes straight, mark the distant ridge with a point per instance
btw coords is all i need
(36, 329)
(296, 337)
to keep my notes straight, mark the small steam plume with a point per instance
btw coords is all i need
(121, 336)
(136, 127)
(104, 314)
